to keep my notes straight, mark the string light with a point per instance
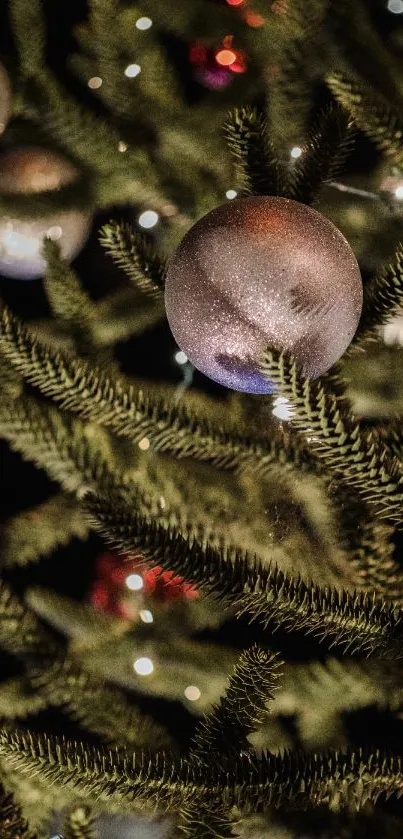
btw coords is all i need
(55, 232)
(231, 193)
(192, 693)
(282, 408)
(146, 616)
(295, 152)
(95, 82)
(395, 6)
(148, 219)
(225, 57)
(144, 444)
(122, 146)
(399, 192)
(181, 357)
(132, 70)
(144, 23)
(235, 2)
(143, 666)
(134, 582)
(162, 501)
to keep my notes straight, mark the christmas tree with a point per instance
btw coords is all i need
(201, 588)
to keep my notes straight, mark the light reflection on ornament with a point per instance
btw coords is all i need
(132, 70)
(146, 616)
(144, 23)
(192, 693)
(134, 582)
(143, 666)
(95, 82)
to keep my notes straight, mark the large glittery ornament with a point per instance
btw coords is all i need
(5, 98)
(31, 170)
(260, 272)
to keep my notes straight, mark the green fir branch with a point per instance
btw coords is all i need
(12, 823)
(18, 699)
(226, 728)
(259, 172)
(21, 632)
(80, 824)
(88, 391)
(137, 257)
(322, 157)
(253, 785)
(264, 593)
(355, 455)
(37, 532)
(383, 297)
(28, 27)
(68, 299)
(371, 113)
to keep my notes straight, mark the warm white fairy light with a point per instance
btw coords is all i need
(55, 232)
(148, 219)
(395, 6)
(295, 152)
(132, 70)
(399, 192)
(122, 146)
(281, 408)
(95, 82)
(146, 616)
(144, 444)
(192, 693)
(231, 193)
(134, 582)
(181, 357)
(162, 501)
(143, 666)
(144, 23)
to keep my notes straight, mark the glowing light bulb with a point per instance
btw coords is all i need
(192, 693)
(54, 232)
(295, 152)
(162, 501)
(132, 70)
(235, 2)
(122, 146)
(134, 582)
(95, 82)
(148, 219)
(282, 408)
(144, 444)
(231, 193)
(143, 666)
(146, 616)
(181, 357)
(395, 6)
(399, 192)
(144, 23)
(225, 57)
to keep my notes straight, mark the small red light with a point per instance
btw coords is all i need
(225, 57)
(235, 2)
(253, 19)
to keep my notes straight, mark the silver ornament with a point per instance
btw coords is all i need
(31, 170)
(5, 98)
(260, 272)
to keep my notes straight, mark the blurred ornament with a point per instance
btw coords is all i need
(5, 98)
(258, 272)
(125, 588)
(214, 68)
(30, 170)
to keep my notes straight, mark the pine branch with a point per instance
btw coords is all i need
(28, 24)
(264, 593)
(86, 390)
(372, 114)
(80, 824)
(12, 824)
(253, 785)
(68, 299)
(227, 726)
(324, 153)
(37, 532)
(137, 257)
(21, 632)
(258, 169)
(125, 313)
(383, 297)
(18, 699)
(356, 456)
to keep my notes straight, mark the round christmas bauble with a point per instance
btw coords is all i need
(31, 170)
(260, 272)
(5, 98)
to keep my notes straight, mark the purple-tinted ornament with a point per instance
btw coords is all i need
(260, 272)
